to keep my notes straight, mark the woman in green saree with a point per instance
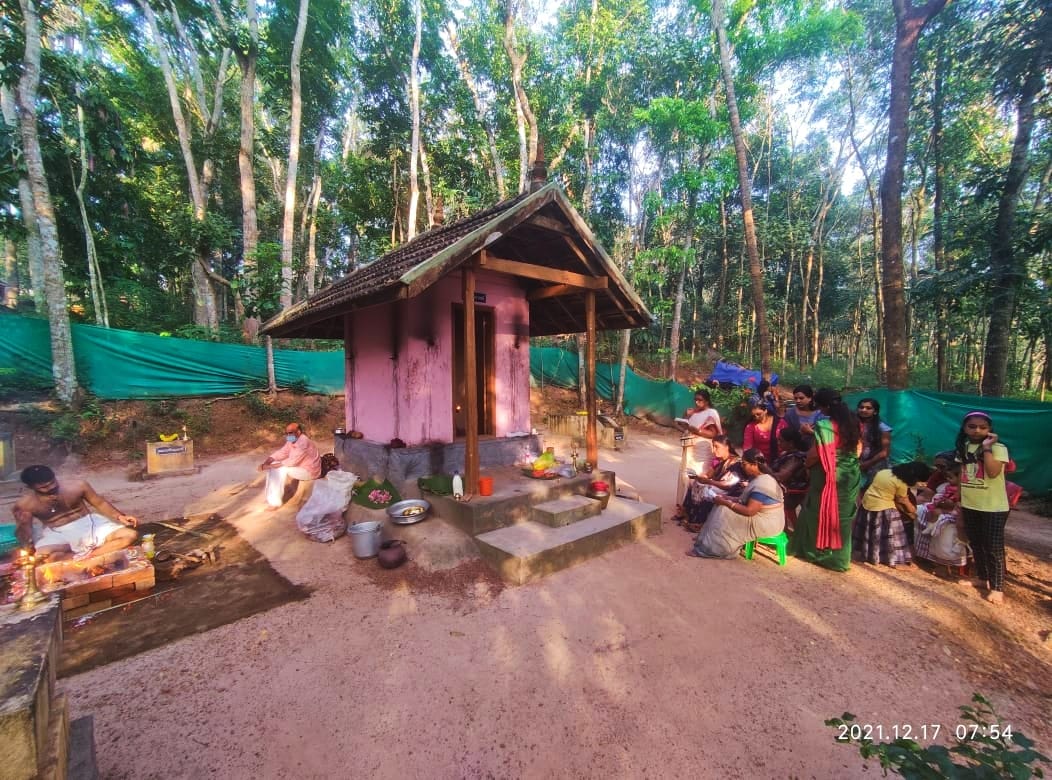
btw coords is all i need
(823, 527)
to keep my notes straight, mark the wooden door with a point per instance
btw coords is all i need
(485, 371)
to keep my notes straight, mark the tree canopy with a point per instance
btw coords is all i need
(164, 131)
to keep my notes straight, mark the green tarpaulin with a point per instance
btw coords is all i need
(661, 399)
(118, 364)
(923, 422)
(115, 364)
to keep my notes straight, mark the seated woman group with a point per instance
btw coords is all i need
(725, 476)
(757, 513)
(781, 451)
(824, 485)
(838, 519)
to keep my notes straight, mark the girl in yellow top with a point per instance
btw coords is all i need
(984, 499)
(879, 533)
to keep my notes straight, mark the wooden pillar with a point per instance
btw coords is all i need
(591, 435)
(272, 383)
(350, 420)
(471, 401)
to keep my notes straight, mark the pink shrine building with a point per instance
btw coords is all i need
(429, 395)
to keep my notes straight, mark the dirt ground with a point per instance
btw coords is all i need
(643, 662)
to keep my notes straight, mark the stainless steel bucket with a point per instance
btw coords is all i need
(365, 538)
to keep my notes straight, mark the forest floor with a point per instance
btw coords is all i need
(643, 662)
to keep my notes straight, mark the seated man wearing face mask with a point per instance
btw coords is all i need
(297, 459)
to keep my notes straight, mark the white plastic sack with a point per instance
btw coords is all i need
(947, 546)
(321, 518)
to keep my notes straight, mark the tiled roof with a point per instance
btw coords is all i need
(386, 271)
(539, 228)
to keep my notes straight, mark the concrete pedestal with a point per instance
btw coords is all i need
(29, 644)
(34, 718)
(7, 455)
(400, 464)
(170, 457)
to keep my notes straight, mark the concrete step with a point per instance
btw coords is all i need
(528, 551)
(513, 497)
(563, 511)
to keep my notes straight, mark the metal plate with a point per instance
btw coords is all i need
(408, 520)
(395, 512)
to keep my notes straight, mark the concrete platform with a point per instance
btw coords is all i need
(32, 717)
(513, 499)
(525, 552)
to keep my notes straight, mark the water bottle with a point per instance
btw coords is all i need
(458, 486)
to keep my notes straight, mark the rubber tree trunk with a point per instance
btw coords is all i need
(29, 217)
(681, 282)
(719, 17)
(62, 365)
(677, 320)
(909, 22)
(10, 274)
(414, 104)
(1008, 267)
(206, 311)
(295, 125)
(95, 284)
(622, 371)
(272, 382)
(938, 242)
(480, 112)
(246, 60)
(525, 119)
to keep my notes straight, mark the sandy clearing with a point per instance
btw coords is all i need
(641, 663)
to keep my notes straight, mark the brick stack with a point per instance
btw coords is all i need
(127, 577)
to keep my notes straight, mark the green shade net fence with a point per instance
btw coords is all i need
(662, 400)
(923, 422)
(121, 364)
(117, 364)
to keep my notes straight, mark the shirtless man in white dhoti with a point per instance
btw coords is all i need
(74, 519)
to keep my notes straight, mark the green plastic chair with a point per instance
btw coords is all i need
(779, 542)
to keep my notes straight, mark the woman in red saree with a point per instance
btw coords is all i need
(823, 526)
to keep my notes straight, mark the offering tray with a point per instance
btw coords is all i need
(410, 511)
(546, 475)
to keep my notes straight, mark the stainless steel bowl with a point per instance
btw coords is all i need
(410, 511)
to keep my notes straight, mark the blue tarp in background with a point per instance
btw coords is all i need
(739, 376)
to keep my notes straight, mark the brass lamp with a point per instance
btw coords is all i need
(32, 597)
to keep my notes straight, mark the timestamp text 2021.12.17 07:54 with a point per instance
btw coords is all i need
(924, 732)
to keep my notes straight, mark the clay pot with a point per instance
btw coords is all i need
(392, 554)
(602, 496)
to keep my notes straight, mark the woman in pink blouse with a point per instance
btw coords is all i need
(761, 433)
